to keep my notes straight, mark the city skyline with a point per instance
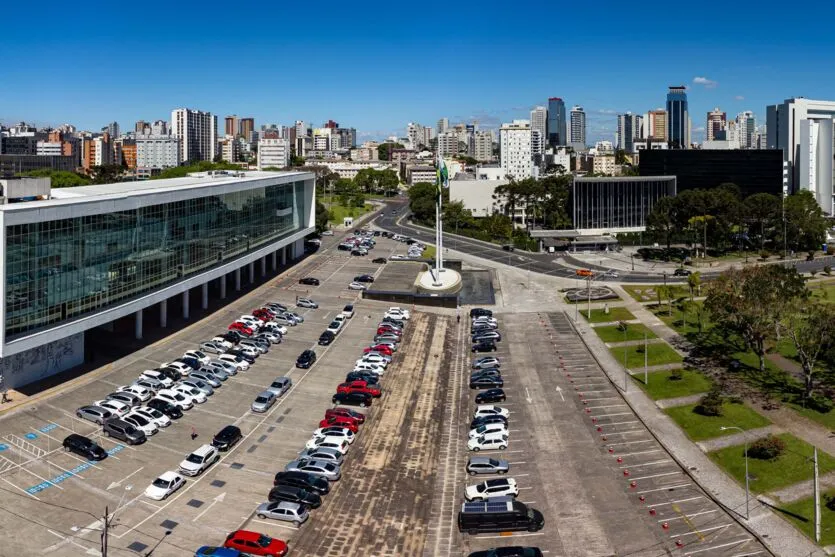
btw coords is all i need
(138, 71)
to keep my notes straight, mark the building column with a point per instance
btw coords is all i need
(222, 287)
(251, 272)
(163, 314)
(284, 256)
(185, 303)
(238, 279)
(275, 260)
(264, 266)
(138, 324)
(205, 295)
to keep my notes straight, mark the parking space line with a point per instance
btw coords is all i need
(688, 516)
(509, 535)
(653, 463)
(279, 525)
(640, 452)
(662, 504)
(729, 544)
(661, 475)
(630, 442)
(616, 414)
(665, 488)
(700, 533)
(623, 423)
(20, 488)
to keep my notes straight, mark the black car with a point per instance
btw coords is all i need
(232, 336)
(681, 273)
(508, 247)
(295, 494)
(490, 395)
(356, 252)
(477, 312)
(309, 280)
(306, 359)
(193, 363)
(165, 407)
(515, 551)
(84, 446)
(486, 382)
(489, 372)
(364, 278)
(241, 355)
(367, 376)
(354, 399)
(396, 322)
(486, 346)
(303, 480)
(171, 373)
(484, 420)
(227, 437)
(326, 338)
(380, 260)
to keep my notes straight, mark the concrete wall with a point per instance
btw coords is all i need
(36, 364)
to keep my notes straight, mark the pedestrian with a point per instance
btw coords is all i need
(193, 433)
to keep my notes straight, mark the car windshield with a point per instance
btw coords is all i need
(141, 420)
(481, 488)
(264, 541)
(159, 482)
(197, 459)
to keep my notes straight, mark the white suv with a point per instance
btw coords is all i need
(501, 487)
(197, 462)
(488, 441)
(487, 428)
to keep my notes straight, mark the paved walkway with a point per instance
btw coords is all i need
(739, 438)
(802, 490)
(679, 401)
(639, 342)
(650, 369)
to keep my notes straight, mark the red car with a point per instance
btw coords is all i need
(389, 331)
(358, 386)
(262, 314)
(241, 328)
(254, 543)
(341, 421)
(345, 412)
(381, 348)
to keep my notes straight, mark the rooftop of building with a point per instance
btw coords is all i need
(621, 178)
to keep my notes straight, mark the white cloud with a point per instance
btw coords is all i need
(708, 83)
(701, 129)
(739, 98)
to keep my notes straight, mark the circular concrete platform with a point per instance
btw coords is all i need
(447, 281)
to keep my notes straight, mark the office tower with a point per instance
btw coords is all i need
(716, 124)
(539, 122)
(231, 125)
(443, 125)
(629, 129)
(556, 122)
(245, 128)
(678, 129)
(197, 132)
(746, 126)
(577, 135)
(273, 152)
(516, 153)
(655, 125)
(483, 146)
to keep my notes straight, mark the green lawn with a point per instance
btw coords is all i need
(683, 322)
(339, 212)
(824, 291)
(661, 386)
(612, 333)
(615, 314)
(699, 427)
(647, 293)
(658, 354)
(825, 419)
(802, 515)
(793, 466)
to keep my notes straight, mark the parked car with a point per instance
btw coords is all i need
(487, 336)
(175, 398)
(143, 424)
(253, 543)
(165, 485)
(364, 278)
(237, 361)
(215, 347)
(309, 280)
(380, 260)
(138, 391)
(198, 384)
(335, 431)
(307, 303)
(327, 470)
(258, 346)
(126, 397)
(226, 437)
(500, 487)
(326, 338)
(263, 401)
(246, 354)
(335, 327)
(355, 399)
(485, 465)
(123, 431)
(197, 355)
(359, 387)
(486, 346)
(199, 461)
(490, 395)
(475, 312)
(486, 382)
(84, 446)
(310, 482)
(336, 443)
(157, 375)
(489, 372)
(485, 420)
(345, 412)
(306, 359)
(280, 385)
(116, 407)
(484, 429)
(486, 362)
(152, 385)
(156, 416)
(268, 336)
(363, 375)
(196, 395)
(356, 286)
(207, 377)
(512, 551)
(172, 411)
(488, 441)
(285, 511)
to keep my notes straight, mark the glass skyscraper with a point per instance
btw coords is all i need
(677, 118)
(556, 122)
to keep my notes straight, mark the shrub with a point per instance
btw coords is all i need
(676, 375)
(765, 254)
(827, 270)
(710, 404)
(829, 501)
(819, 403)
(830, 250)
(767, 448)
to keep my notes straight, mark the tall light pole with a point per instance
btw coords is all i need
(747, 490)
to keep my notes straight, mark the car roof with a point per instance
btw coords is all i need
(266, 394)
(168, 476)
(499, 481)
(230, 429)
(203, 449)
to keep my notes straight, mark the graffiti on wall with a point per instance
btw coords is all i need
(33, 365)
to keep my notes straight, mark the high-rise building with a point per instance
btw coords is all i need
(515, 150)
(157, 152)
(414, 133)
(539, 121)
(443, 125)
(803, 129)
(556, 122)
(483, 146)
(629, 129)
(159, 127)
(112, 128)
(141, 126)
(245, 128)
(197, 132)
(746, 126)
(448, 144)
(347, 137)
(716, 125)
(655, 126)
(577, 137)
(678, 123)
(230, 149)
(273, 152)
(231, 125)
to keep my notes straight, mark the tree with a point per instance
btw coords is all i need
(753, 301)
(60, 178)
(806, 224)
(761, 209)
(663, 219)
(422, 200)
(384, 150)
(620, 156)
(456, 216)
(365, 179)
(107, 173)
(322, 217)
(296, 160)
(694, 282)
(812, 331)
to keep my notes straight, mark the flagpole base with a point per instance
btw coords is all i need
(448, 281)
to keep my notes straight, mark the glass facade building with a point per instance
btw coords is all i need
(556, 122)
(677, 118)
(617, 204)
(60, 269)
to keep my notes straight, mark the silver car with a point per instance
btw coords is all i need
(280, 385)
(328, 470)
(298, 318)
(322, 453)
(223, 367)
(307, 303)
(283, 510)
(199, 384)
(213, 347)
(263, 401)
(486, 465)
(206, 377)
(149, 383)
(260, 347)
(273, 338)
(128, 398)
(94, 413)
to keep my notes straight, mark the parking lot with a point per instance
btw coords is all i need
(59, 499)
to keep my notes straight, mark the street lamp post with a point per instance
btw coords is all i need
(632, 257)
(747, 490)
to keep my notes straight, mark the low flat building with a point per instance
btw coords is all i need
(601, 206)
(349, 169)
(421, 173)
(15, 164)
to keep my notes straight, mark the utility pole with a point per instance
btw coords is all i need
(817, 501)
(104, 528)
(646, 358)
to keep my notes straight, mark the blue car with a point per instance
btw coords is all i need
(211, 551)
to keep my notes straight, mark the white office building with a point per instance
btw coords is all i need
(629, 129)
(197, 132)
(577, 127)
(483, 146)
(273, 153)
(157, 151)
(49, 148)
(448, 144)
(539, 122)
(516, 150)
(803, 129)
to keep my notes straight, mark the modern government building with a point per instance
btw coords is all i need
(81, 258)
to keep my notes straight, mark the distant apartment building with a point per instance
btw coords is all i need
(746, 129)
(577, 127)
(716, 125)
(483, 146)
(197, 132)
(157, 152)
(273, 152)
(629, 129)
(230, 149)
(448, 144)
(655, 125)
(443, 126)
(230, 125)
(539, 123)
(604, 163)
(515, 149)
(421, 173)
(245, 128)
(128, 150)
(49, 148)
(365, 154)
(401, 155)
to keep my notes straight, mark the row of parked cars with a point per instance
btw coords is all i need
(491, 505)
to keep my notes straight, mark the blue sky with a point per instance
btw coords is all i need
(377, 65)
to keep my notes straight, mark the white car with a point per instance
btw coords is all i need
(487, 428)
(356, 286)
(500, 487)
(157, 376)
(398, 313)
(145, 425)
(348, 311)
(398, 257)
(337, 443)
(490, 410)
(118, 408)
(213, 347)
(335, 431)
(197, 462)
(274, 327)
(386, 357)
(251, 321)
(307, 303)
(335, 327)
(179, 366)
(239, 363)
(197, 396)
(368, 366)
(201, 357)
(165, 485)
(143, 393)
(155, 415)
(223, 342)
(488, 442)
(374, 359)
(484, 319)
(175, 398)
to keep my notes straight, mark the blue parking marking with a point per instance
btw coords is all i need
(31, 435)
(47, 428)
(69, 473)
(3, 447)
